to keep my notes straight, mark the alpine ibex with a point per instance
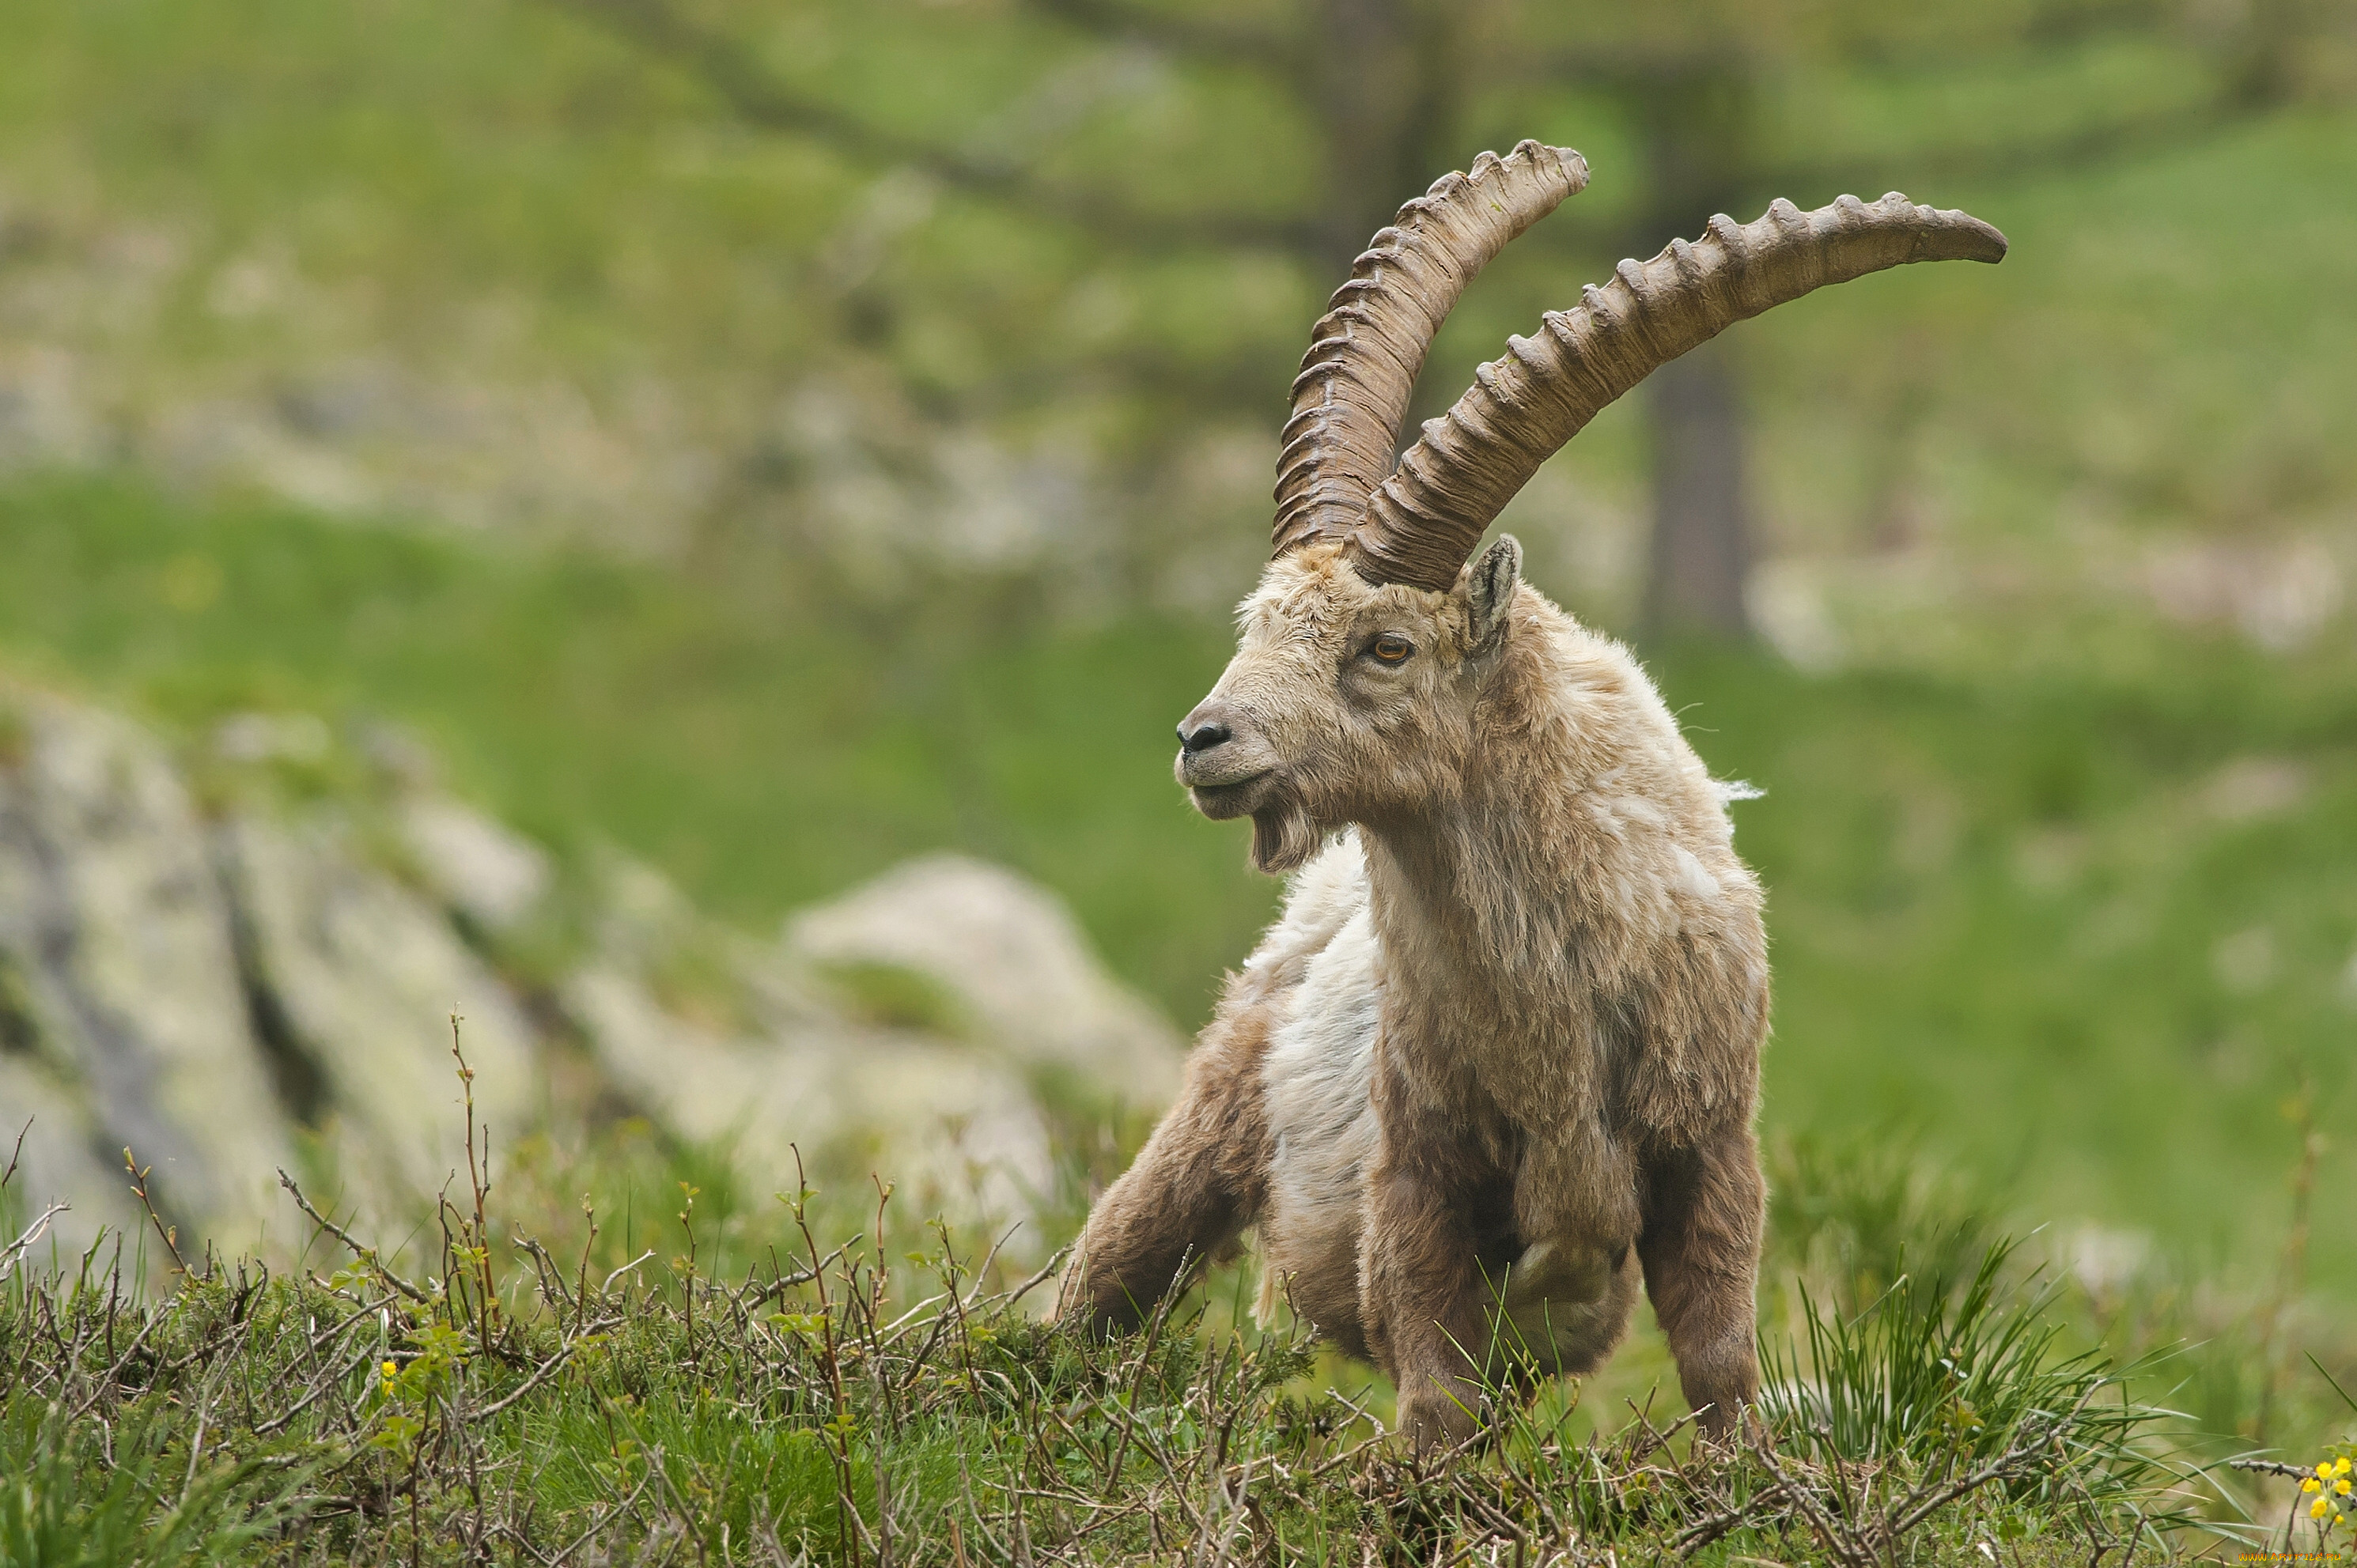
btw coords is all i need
(1498, 1058)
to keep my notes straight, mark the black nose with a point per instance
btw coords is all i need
(1202, 737)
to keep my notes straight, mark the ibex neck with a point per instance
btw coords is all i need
(1551, 850)
(1484, 886)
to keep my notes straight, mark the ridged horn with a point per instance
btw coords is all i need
(1364, 353)
(1422, 523)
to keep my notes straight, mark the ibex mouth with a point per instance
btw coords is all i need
(1233, 799)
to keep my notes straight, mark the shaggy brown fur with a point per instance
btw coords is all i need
(1499, 1056)
(1501, 1050)
(1202, 1178)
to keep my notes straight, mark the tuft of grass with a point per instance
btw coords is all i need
(133, 1492)
(1962, 1366)
(1859, 1218)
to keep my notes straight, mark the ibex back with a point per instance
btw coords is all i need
(1498, 1060)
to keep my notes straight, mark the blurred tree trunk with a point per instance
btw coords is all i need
(1701, 551)
(1383, 80)
(1695, 117)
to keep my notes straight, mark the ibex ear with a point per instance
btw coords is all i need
(1490, 592)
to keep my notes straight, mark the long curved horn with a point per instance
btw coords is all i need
(1364, 353)
(1422, 523)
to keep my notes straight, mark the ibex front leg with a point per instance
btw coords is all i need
(1199, 1180)
(1423, 1296)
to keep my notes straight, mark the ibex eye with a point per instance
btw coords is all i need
(1392, 648)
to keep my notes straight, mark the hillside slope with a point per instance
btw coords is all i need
(2081, 931)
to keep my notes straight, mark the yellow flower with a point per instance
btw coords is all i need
(2318, 1508)
(390, 1371)
(2341, 1487)
(2340, 1465)
(2309, 1484)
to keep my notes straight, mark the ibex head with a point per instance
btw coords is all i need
(1347, 701)
(1352, 694)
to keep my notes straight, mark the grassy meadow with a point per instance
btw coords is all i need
(823, 1380)
(2063, 983)
(2081, 933)
(836, 1434)
(464, 368)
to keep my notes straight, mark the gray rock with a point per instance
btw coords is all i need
(61, 1157)
(955, 1133)
(783, 1070)
(200, 992)
(114, 922)
(365, 974)
(758, 1096)
(272, 737)
(1016, 964)
(478, 868)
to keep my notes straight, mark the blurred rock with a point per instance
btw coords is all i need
(1008, 957)
(478, 868)
(363, 977)
(58, 1159)
(205, 990)
(114, 923)
(696, 1082)
(272, 737)
(2277, 592)
(398, 756)
(949, 1130)
(2251, 788)
(778, 1066)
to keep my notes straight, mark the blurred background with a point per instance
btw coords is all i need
(539, 504)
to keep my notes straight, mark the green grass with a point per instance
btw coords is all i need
(496, 1396)
(659, 1370)
(2060, 896)
(134, 1491)
(2082, 927)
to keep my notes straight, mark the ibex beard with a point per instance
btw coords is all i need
(1496, 1064)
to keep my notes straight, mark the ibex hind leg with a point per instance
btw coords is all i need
(1701, 1254)
(1200, 1181)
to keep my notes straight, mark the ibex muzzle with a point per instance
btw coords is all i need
(1221, 757)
